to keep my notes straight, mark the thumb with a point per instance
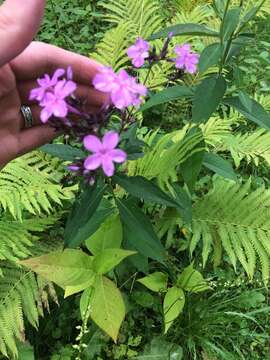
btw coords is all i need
(19, 22)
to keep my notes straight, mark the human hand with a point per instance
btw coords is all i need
(22, 62)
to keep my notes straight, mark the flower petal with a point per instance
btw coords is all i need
(118, 156)
(93, 162)
(108, 166)
(110, 140)
(92, 143)
(45, 114)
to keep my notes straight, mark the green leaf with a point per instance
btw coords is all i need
(191, 168)
(155, 282)
(106, 304)
(174, 302)
(253, 111)
(208, 96)
(80, 218)
(142, 188)
(220, 166)
(108, 259)
(184, 198)
(74, 289)
(108, 236)
(210, 56)
(192, 280)
(65, 268)
(160, 349)
(139, 231)
(185, 29)
(167, 95)
(250, 15)
(230, 23)
(63, 152)
(25, 352)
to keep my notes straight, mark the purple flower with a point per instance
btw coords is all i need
(139, 52)
(45, 84)
(186, 59)
(54, 102)
(104, 152)
(123, 88)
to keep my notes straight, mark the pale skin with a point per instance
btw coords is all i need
(21, 63)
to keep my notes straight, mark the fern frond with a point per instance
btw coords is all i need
(144, 16)
(253, 147)
(17, 238)
(111, 51)
(239, 219)
(30, 183)
(21, 294)
(164, 157)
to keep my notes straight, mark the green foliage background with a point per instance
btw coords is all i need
(230, 228)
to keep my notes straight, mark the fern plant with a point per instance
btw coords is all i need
(22, 294)
(233, 218)
(30, 183)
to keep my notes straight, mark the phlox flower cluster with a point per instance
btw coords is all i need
(52, 93)
(55, 97)
(185, 58)
(124, 89)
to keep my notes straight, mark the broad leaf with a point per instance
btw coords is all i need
(220, 166)
(106, 304)
(79, 221)
(208, 96)
(74, 289)
(155, 282)
(65, 268)
(160, 349)
(174, 302)
(142, 188)
(184, 198)
(210, 56)
(253, 111)
(167, 95)
(63, 152)
(230, 23)
(139, 231)
(108, 259)
(185, 29)
(192, 280)
(108, 236)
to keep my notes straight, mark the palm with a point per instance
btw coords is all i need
(20, 66)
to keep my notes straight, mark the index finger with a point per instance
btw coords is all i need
(40, 58)
(19, 22)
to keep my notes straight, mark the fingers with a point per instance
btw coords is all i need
(19, 22)
(35, 137)
(40, 58)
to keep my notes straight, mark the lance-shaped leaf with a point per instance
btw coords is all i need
(63, 152)
(167, 95)
(210, 56)
(155, 282)
(230, 23)
(65, 268)
(108, 236)
(185, 29)
(220, 166)
(139, 231)
(79, 221)
(251, 109)
(107, 308)
(174, 302)
(109, 258)
(145, 189)
(207, 98)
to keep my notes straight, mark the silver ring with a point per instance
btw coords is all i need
(27, 116)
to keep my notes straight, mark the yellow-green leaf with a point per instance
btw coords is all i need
(173, 305)
(109, 258)
(65, 268)
(155, 282)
